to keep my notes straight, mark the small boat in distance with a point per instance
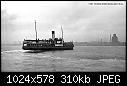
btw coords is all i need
(50, 44)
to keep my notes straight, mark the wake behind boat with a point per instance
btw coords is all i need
(47, 44)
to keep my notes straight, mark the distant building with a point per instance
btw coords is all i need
(114, 39)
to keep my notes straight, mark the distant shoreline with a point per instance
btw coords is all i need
(76, 44)
(99, 44)
(11, 44)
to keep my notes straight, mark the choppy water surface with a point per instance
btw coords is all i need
(82, 58)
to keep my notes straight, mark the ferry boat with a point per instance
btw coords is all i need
(47, 44)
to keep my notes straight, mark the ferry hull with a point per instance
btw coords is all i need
(47, 48)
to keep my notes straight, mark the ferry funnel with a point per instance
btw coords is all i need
(53, 35)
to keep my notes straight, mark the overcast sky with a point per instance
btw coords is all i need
(80, 20)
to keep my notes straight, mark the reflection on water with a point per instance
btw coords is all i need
(35, 51)
(82, 58)
(40, 51)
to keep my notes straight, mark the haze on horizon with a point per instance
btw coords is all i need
(80, 20)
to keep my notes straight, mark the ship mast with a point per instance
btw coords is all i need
(35, 30)
(62, 33)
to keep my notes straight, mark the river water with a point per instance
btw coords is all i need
(82, 58)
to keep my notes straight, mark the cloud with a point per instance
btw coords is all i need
(7, 20)
(90, 21)
(7, 25)
(80, 21)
